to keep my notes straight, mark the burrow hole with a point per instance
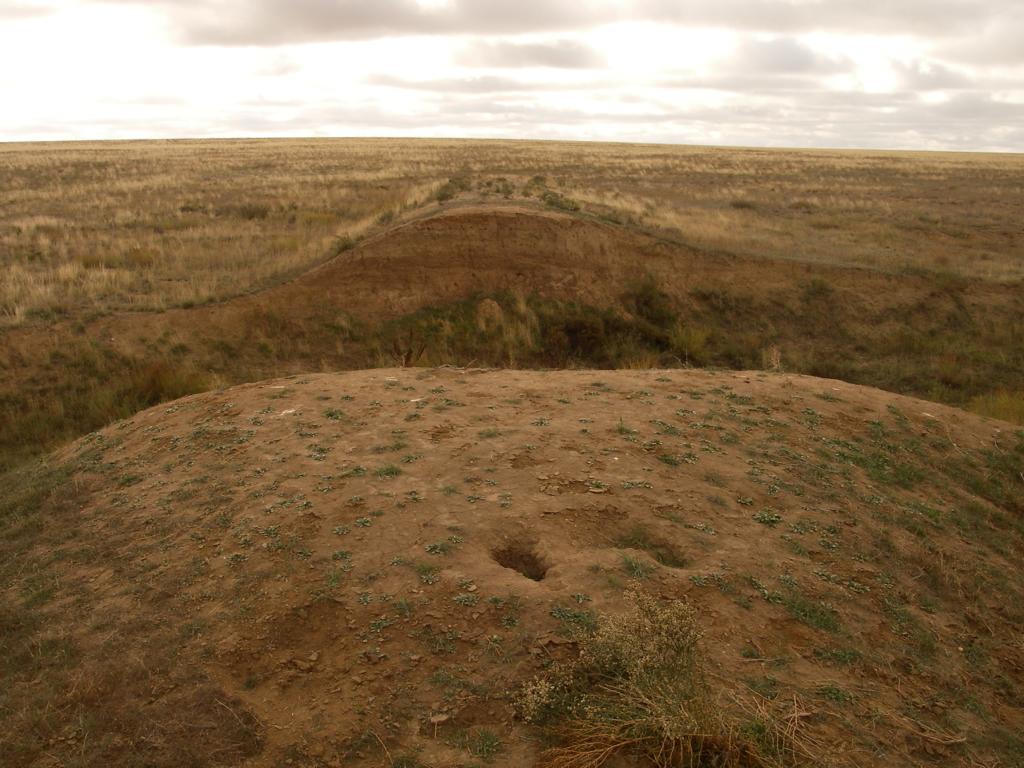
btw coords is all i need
(521, 557)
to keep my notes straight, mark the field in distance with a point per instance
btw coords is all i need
(135, 272)
(87, 227)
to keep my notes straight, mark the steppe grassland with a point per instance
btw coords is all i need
(97, 227)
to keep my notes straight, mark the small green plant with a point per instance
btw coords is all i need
(630, 484)
(428, 574)
(440, 643)
(576, 620)
(636, 567)
(767, 687)
(812, 612)
(841, 656)
(834, 693)
(767, 517)
(484, 744)
(387, 471)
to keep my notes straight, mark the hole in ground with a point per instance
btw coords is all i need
(521, 557)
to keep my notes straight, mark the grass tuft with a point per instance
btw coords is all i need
(638, 687)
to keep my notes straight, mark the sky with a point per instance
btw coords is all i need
(898, 74)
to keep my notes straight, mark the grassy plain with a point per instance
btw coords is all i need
(88, 228)
(251, 576)
(92, 235)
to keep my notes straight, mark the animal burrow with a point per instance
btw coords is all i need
(520, 557)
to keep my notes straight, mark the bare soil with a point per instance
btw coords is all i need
(359, 569)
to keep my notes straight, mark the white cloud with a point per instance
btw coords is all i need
(914, 74)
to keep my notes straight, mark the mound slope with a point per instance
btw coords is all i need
(449, 255)
(352, 569)
(557, 291)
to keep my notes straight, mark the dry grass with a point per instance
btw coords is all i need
(1005, 405)
(101, 228)
(639, 686)
(148, 225)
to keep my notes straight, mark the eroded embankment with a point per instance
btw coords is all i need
(515, 286)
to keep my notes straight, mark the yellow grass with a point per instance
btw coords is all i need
(90, 227)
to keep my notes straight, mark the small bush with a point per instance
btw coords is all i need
(247, 211)
(342, 244)
(452, 187)
(559, 202)
(151, 383)
(638, 686)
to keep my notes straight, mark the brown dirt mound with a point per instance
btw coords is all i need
(360, 568)
(450, 254)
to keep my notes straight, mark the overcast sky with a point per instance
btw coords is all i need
(912, 74)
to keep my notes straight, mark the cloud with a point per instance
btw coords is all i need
(881, 17)
(14, 11)
(761, 84)
(782, 55)
(278, 22)
(454, 85)
(999, 42)
(488, 84)
(931, 76)
(898, 120)
(777, 65)
(561, 54)
(913, 73)
(279, 66)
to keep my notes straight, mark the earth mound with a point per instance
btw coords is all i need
(365, 568)
(515, 286)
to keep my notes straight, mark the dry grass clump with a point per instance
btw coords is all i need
(639, 685)
(1005, 405)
